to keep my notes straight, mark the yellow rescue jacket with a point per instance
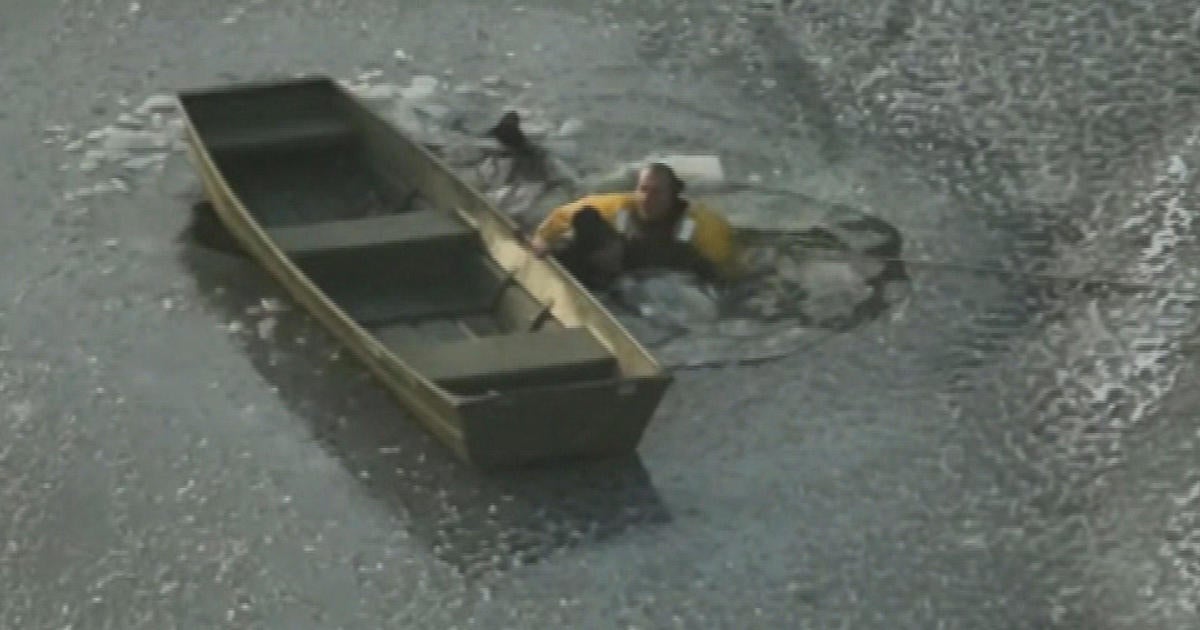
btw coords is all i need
(703, 227)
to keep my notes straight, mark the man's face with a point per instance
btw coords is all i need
(653, 195)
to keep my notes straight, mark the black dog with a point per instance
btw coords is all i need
(595, 255)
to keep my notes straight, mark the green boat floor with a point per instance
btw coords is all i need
(385, 298)
(315, 183)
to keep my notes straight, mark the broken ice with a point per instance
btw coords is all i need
(421, 87)
(162, 103)
(266, 327)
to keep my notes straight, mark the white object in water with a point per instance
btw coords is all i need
(384, 92)
(1177, 168)
(163, 103)
(421, 87)
(692, 168)
(119, 141)
(143, 162)
(834, 289)
(570, 127)
(266, 327)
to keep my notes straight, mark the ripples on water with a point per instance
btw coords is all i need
(1072, 127)
(1069, 128)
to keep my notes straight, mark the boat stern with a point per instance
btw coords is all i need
(588, 420)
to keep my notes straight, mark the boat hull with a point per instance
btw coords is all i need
(526, 423)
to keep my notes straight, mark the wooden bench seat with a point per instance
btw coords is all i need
(423, 228)
(262, 140)
(380, 269)
(473, 365)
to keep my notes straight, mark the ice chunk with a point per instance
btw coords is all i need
(498, 196)
(834, 289)
(383, 92)
(266, 328)
(173, 129)
(421, 87)
(91, 160)
(123, 140)
(21, 411)
(438, 112)
(162, 103)
(144, 162)
(671, 297)
(495, 171)
(1177, 168)
(693, 168)
(128, 121)
(405, 117)
(523, 198)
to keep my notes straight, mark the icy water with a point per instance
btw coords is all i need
(1010, 446)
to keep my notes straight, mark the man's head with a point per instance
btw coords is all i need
(658, 191)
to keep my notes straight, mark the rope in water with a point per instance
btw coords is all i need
(1086, 280)
(1091, 279)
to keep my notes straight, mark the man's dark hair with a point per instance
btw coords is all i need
(660, 169)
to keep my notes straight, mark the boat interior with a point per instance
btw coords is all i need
(418, 277)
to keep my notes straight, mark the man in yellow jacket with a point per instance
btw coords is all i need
(653, 226)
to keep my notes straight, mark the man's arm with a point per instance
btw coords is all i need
(558, 222)
(715, 241)
(553, 227)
